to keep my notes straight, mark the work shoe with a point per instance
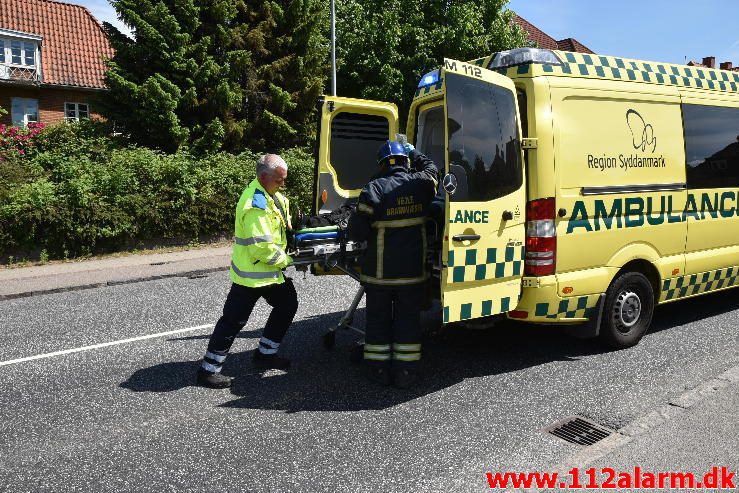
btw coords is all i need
(404, 379)
(377, 375)
(270, 361)
(213, 380)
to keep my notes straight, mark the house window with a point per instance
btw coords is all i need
(76, 111)
(30, 54)
(17, 52)
(24, 111)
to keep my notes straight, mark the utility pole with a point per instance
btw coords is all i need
(333, 48)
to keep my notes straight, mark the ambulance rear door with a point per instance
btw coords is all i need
(485, 194)
(351, 132)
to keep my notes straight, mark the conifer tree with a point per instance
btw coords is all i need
(216, 74)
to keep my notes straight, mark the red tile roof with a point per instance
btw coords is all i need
(571, 44)
(73, 46)
(543, 40)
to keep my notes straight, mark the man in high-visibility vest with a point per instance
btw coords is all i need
(258, 258)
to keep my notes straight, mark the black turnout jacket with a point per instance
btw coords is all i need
(391, 217)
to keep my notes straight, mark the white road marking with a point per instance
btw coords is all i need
(104, 344)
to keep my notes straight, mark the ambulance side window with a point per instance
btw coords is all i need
(711, 146)
(484, 145)
(430, 135)
(355, 139)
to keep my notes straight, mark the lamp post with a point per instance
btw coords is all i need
(333, 48)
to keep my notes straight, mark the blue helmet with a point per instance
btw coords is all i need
(390, 149)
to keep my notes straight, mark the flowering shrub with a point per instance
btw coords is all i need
(19, 140)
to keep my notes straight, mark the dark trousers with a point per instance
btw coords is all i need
(239, 304)
(393, 335)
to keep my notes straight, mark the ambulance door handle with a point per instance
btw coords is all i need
(507, 215)
(465, 237)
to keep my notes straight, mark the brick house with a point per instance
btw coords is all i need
(543, 40)
(710, 62)
(51, 61)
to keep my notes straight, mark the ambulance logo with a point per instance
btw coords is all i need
(642, 133)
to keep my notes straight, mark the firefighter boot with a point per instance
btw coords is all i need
(213, 380)
(270, 361)
(377, 374)
(404, 378)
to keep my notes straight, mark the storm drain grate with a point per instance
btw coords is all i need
(576, 429)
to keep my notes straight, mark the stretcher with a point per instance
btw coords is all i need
(323, 250)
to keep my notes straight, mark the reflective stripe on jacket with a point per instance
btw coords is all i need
(260, 239)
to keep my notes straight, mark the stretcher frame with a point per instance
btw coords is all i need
(329, 258)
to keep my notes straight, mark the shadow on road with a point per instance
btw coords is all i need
(326, 380)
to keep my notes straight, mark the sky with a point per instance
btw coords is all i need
(657, 30)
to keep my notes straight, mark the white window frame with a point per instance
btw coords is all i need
(19, 111)
(30, 44)
(76, 110)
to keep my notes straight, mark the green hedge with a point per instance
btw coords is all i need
(81, 193)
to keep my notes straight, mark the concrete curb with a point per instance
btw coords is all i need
(153, 277)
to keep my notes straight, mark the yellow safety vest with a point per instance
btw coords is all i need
(260, 239)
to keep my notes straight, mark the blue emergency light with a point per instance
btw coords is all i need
(429, 79)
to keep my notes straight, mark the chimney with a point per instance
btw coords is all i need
(726, 66)
(709, 61)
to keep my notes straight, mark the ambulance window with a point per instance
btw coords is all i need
(430, 134)
(711, 146)
(355, 139)
(484, 145)
(523, 111)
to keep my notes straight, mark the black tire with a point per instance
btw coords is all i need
(627, 310)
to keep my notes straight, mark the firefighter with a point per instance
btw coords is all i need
(391, 217)
(258, 258)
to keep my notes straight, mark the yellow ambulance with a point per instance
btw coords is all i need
(578, 189)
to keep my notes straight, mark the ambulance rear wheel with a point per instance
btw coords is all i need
(628, 310)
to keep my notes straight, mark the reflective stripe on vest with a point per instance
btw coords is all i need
(254, 275)
(275, 258)
(253, 240)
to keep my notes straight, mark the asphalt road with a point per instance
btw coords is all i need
(127, 417)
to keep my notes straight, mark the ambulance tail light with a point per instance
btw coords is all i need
(541, 238)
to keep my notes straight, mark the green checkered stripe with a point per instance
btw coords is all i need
(473, 264)
(607, 67)
(430, 89)
(476, 310)
(691, 284)
(575, 307)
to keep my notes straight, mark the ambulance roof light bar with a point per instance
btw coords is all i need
(429, 79)
(520, 56)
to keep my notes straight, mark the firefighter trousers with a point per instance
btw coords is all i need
(393, 332)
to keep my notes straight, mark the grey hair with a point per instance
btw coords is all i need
(268, 163)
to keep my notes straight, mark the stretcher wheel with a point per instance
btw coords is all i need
(329, 339)
(356, 353)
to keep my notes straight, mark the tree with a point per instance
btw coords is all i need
(289, 47)
(384, 47)
(215, 74)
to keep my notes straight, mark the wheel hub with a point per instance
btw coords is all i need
(627, 310)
